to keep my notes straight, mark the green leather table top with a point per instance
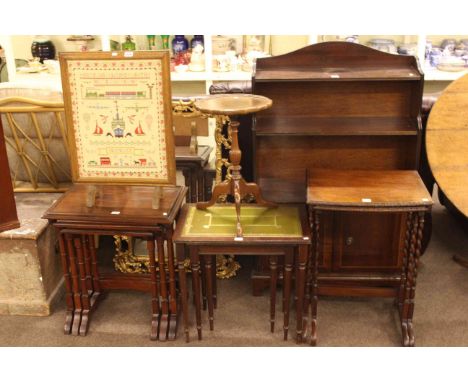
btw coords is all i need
(220, 221)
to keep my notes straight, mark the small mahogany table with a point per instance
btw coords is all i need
(147, 212)
(233, 105)
(273, 232)
(192, 166)
(373, 192)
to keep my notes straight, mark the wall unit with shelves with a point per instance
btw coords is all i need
(190, 82)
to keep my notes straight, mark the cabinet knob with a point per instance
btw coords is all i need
(349, 240)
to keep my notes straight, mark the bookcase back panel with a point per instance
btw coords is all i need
(282, 162)
(338, 99)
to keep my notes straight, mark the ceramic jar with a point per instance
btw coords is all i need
(43, 49)
(179, 44)
(197, 40)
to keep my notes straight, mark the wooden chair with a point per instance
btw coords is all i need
(36, 139)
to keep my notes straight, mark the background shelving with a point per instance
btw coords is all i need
(190, 83)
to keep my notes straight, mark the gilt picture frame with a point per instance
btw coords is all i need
(118, 110)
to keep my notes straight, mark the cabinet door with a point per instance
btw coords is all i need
(368, 242)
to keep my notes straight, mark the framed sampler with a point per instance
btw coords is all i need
(119, 115)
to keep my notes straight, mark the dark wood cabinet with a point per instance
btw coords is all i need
(8, 215)
(339, 106)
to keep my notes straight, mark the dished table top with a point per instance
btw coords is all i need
(233, 104)
(447, 143)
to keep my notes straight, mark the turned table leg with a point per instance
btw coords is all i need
(288, 266)
(213, 276)
(164, 319)
(300, 286)
(68, 285)
(173, 312)
(154, 290)
(84, 287)
(180, 251)
(273, 280)
(195, 263)
(209, 289)
(413, 272)
(94, 270)
(314, 281)
(75, 286)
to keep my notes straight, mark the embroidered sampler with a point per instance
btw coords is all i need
(119, 120)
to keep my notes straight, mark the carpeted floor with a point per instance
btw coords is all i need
(440, 319)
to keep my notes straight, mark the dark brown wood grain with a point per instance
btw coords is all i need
(118, 210)
(366, 189)
(8, 215)
(363, 260)
(202, 250)
(339, 106)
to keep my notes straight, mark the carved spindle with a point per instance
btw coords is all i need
(84, 289)
(164, 321)
(75, 286)
(409, 281)
(273, 281)
(195, 262)
(288, 266)
(180, 251)
(314, 294)
(401, 291)
(300, 280)
(68, 284)
(419, 218)
(94, 265)
(209, 289)
(154, 289)
(87, 264)
(171, 269)
(213, 276)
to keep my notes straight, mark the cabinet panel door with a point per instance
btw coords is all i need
(368, 242)
(326, 241)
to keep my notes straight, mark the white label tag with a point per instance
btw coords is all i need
(115, 213)
(165, 213)
(334, 76)
(128, 53)
(238, 239)
(425, 199)
(366, 200)
(114, 54)
(305, 238)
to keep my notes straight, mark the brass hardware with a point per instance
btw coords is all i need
(349, 240)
